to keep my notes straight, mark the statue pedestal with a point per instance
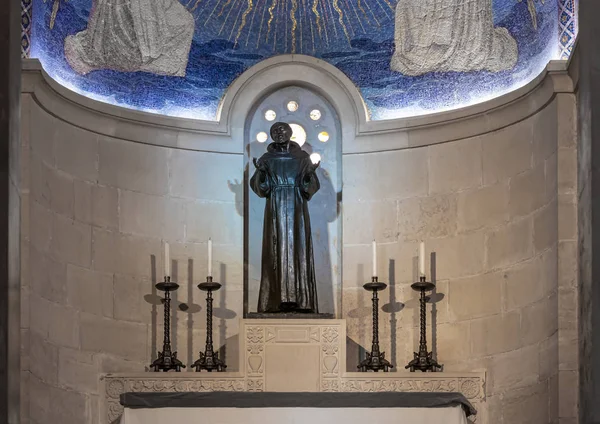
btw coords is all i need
(286, 316)
(292, 355)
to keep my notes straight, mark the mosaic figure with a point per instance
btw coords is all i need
(133, 35)
(450, 35)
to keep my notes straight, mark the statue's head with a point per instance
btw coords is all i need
(281, 132)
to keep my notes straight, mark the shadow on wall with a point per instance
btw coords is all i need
(392, 308)
(325, 208)
(353, 347)
(190, 308)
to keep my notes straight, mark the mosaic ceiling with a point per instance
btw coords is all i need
(407, 57)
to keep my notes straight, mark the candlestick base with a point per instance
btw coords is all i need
(209, 362)
(167, 361)
(375, 361)
(423, 361)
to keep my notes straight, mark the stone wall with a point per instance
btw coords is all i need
(100, 210)
(484, 190)
(486, 208)
(568, 236)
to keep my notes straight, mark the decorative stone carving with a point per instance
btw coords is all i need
(116, 384)
(330, 360)
(255, 339)
(270, 334)
(314, 334)
(255, 385)
(255, 334)
(330, 334)
(471, 387)
(330, 385)
(328, 338)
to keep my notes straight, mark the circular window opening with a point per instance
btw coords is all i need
(323, 136)
(315, 114)
(270, 115)
(298, 134)
(261, 137)
(292, 106)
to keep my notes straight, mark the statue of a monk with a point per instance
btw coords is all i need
(286, 177)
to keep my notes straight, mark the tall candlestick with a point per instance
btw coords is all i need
(210, 257)
(374, 259)
(422, 259)
(167, 261)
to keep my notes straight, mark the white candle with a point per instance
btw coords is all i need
(167, 261)
(210, 257)
(422, 259)
(374, 259)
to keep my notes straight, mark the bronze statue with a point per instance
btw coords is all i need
(286, 177)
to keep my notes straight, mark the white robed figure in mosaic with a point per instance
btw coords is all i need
(450, 35)
(133, 35)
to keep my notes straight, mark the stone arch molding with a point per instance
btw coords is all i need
(359, 134)
(287, 70)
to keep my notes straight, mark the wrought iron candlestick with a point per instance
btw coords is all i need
(209, 360)
(423, 360)
(167, 360)
(375, 359)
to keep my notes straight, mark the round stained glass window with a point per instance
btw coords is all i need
(323, 136)
(292, 106)
(298, 134)
(315, 114)
(261, 137)
(270, 115)
(315, 158)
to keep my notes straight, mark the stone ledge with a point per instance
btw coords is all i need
(360, 134)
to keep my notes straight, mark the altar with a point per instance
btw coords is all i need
(302, 358)
(292, 408)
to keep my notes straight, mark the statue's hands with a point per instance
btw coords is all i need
(258, 164)
(314, 166)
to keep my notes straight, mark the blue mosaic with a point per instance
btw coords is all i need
(25, 27)
(179, 58)
(567, 27)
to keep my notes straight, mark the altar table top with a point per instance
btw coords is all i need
(298, 407)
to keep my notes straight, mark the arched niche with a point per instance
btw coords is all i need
(317, 129)
(286, 70)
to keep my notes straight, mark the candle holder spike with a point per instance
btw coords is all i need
(423, 360)
(209, 359)
(167, 360)
(375, 360)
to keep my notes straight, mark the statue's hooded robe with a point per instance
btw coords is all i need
(287, 179)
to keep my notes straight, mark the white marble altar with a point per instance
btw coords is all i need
(449, 415)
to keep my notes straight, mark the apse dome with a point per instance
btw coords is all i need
(405, 57)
